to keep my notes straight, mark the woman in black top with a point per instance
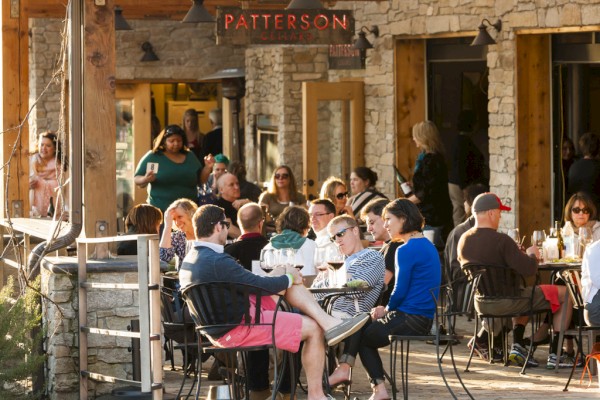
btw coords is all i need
(430, 181)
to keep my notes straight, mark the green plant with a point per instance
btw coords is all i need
(20, 337)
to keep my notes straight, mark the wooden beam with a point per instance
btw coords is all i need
(14, 103)
(533, 133)
(411, 100)
(156, 9)
(99, 120)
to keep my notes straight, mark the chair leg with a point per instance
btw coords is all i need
(404, 367)
(473, 347)
(393, 350)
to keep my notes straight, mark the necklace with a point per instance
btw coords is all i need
(414, 235)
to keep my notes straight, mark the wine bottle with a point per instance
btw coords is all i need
(51, 208)
(404, 185)
(560, 243)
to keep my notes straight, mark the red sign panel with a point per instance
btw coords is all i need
(239, 27)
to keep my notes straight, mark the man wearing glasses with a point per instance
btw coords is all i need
(207, 262)
(321, 211)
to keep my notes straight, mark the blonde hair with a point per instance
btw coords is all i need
(329, 186)
(428, 135)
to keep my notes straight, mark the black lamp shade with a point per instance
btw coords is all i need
(483, 38)
(149, 54)
(305, 5)
(362, 43)
(120, 22)
(198, 13)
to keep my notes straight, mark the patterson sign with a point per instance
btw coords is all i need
(239, 27)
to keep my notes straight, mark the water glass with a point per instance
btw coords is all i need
(514, 235)
(585, 238)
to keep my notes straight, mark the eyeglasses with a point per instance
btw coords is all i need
(340, 234)
(577, 210)
(224, 223)
(282, 176)
(340, 196)
(317, 215)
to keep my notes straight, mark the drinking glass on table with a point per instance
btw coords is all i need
(268, 260)
(537, 240)
(335, 259)
(585, 238)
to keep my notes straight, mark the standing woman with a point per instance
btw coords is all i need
(43, 168)
(335, 190)
(411, 308)
(362, 184)
(178, 241)
(430, 182)
(281, 192)
(192, 132)
(177, 169)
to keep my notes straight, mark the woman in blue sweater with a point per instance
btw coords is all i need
(411, 308)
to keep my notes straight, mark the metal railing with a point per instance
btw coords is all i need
(149, 315)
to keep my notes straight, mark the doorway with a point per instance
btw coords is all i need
(333, 119)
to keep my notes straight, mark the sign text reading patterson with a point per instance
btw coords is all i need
(237, 26)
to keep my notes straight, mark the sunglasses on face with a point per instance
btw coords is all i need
(340, 196)
(577, 210)
(340, 234)
(282, 176)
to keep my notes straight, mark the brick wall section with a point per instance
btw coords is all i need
(107, 309)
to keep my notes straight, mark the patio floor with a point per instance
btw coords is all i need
(485, 381)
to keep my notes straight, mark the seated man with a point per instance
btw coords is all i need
(206, 262)
(483, 245)
(360, 264)
(229, 200)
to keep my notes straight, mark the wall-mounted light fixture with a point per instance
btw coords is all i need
(304, 5)
(198, 13)
(362, 44)
(483, 38)
(121, 23)
(149, 54)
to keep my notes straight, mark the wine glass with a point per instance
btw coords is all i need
(288, 257)
(335, 259)
(537, 238)
(267, 260)
(514, 235)
(585, 238)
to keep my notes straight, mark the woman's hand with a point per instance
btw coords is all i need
(33, 181)
(347, 210)
(143, 180)
(378, 312)
(209, 161)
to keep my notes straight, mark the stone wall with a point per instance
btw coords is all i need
(274, 76)
(107, 309)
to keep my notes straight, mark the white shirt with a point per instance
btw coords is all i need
(590, 272)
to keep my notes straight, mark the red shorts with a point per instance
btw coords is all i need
(551, 295)
(288, 329)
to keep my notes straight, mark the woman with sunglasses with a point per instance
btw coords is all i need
(178, 232)
(580, 211)
(281, 192)
(169, 170)
(362, 183)
(411, 308)
(335, 190)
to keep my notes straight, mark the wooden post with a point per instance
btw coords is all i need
(99, 118)
(14, 144)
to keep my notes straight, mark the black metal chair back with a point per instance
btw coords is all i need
(218, 307)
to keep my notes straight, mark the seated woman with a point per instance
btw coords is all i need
(360, 264)
(411, 308)
(282, 192)
(292, 228)
(178, 241)
(335, 190)
(141, 219)
(590, 284)
(44, 165)
(362, 183)
(581, 211)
